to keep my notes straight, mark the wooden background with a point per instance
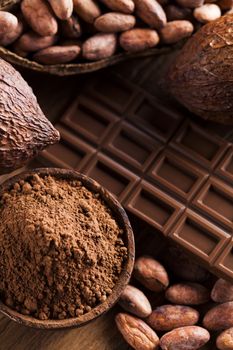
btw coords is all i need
(99, 335)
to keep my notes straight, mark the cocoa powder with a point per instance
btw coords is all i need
(61, 249)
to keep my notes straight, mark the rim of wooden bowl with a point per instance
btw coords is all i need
(78, 68)
(125, 275)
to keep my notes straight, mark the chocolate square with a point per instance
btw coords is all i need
(155, 119)
(117, 179)
(225, 261)
(201, 147)
(178, 176)
(132, 147)
(199, 236)
(154, 206)
(71, 152)
(89, 119)
(215, 200)
(225, 168)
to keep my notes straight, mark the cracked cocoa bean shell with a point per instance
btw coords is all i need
(24, 130)
(201, 78)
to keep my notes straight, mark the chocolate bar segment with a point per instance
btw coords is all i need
(155, 119)
(153, 206)
(177, 175)
(201, 147)
(89, 119)
(199, 236)
(132, 147)
(225, 168)
(225, 262)
(71, 152)
(111, 175)
(216, 201)
(112, 91)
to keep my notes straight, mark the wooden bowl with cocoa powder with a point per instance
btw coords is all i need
(113, 207)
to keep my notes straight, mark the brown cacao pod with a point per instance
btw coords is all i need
(201, 78)
(24, 130)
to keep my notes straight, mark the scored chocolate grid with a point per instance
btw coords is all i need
(71, 152)
(148, 115)
(132, 147)
(176, 175)
(93, 124)
(201, 147)
(225, 167)
(132, 182)
(199, 236)
(225, 260)
(215, 200)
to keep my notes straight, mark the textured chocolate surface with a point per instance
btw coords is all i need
(167, 168)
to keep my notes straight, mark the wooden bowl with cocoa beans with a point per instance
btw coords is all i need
(75, 36)
(67, 249)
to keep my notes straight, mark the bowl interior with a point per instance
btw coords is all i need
(124, 277)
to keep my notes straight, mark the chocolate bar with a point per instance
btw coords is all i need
(161, 164)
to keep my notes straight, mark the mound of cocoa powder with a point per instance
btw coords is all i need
(61, 249)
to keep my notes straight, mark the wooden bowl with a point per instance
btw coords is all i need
(124, 277)
(77, 68)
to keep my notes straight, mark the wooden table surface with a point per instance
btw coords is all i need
(99, 335)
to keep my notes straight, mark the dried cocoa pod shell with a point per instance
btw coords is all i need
(135, 302)
(151, 274)
(137, 333)
(222, 291)
(201, 77)
(220, 317)
(24, 130)
(188, 294)
(168, 317)
(76, 68)
(190, 337)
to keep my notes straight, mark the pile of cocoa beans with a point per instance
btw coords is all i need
(56, 32)
(182, 315)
